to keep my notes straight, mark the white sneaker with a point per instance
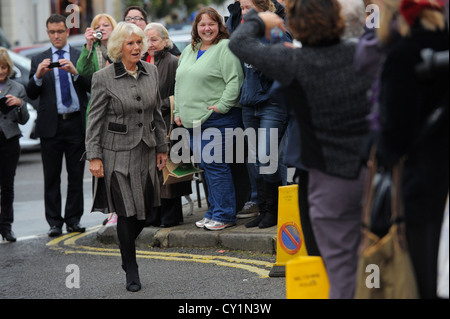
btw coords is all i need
(213, 225)
(201, 223)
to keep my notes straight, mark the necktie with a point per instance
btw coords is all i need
(64, 83)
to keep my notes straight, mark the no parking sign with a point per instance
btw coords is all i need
(290, 238)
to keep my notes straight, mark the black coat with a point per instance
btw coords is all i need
(406, 101)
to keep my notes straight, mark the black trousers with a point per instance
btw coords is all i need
(9, 158)
(68, 144)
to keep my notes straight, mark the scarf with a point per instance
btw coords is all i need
(102, 55)
(411, 9)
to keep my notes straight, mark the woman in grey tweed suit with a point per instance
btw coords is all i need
(126, 140)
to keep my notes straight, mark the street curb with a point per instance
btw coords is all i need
(188, 235)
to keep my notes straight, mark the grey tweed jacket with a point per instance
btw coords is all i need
(9, 123)
(125, 111)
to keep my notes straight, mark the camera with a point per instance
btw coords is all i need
(54, 65)
(276, 35)
(99, 35)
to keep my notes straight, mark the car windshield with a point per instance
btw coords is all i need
(20, 60)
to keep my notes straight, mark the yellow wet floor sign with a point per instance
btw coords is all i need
(306, 277)
(290, 240)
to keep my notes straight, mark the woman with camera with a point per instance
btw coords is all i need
(94, 57)
(13, 112)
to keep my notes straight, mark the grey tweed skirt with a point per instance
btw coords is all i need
(131, 183)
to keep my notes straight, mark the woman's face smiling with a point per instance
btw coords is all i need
(4, 70)
(207, 29)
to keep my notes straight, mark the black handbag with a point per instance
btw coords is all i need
(381, 209)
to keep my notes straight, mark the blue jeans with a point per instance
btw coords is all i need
(221, 192)
(264, 117)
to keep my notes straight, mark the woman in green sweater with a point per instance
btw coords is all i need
(207, 90)
(94, 56)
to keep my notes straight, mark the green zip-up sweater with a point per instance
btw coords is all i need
(87, 63)
(214, 79)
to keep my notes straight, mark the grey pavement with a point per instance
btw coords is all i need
(188, 235)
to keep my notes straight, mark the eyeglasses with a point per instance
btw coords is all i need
(52, 32)
(137, 19)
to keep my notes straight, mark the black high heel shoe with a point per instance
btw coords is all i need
(9, 236)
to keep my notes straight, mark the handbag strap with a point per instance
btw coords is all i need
(172, 107)
(397, 203)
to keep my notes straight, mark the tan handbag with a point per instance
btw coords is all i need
(385, 269)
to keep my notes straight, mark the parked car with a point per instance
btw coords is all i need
(21, 74)
(29, 142)
(76, 41)
(181, 37)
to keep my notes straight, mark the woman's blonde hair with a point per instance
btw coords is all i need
(121, 32)
(106, 16)
(6, 59)
(162, 31)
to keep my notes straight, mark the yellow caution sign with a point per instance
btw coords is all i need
(290, 240)
(306, 278)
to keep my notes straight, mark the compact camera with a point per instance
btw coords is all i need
(54, 65)
(276, 35)
(99, 35)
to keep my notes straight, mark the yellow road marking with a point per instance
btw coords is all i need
(68, 244)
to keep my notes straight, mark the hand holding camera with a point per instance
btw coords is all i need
(54, 65)
(92, 35)
(47, 65)
(98, 35)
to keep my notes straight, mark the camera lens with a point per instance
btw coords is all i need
(99, 35)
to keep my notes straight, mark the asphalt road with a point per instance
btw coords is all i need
(77, 266)
(29, 212)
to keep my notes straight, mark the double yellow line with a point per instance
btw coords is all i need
(68, 245)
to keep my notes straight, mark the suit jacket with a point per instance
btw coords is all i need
(125, 111)
(9, 123)
(47, 119)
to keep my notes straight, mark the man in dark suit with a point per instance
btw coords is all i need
(60, 125)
